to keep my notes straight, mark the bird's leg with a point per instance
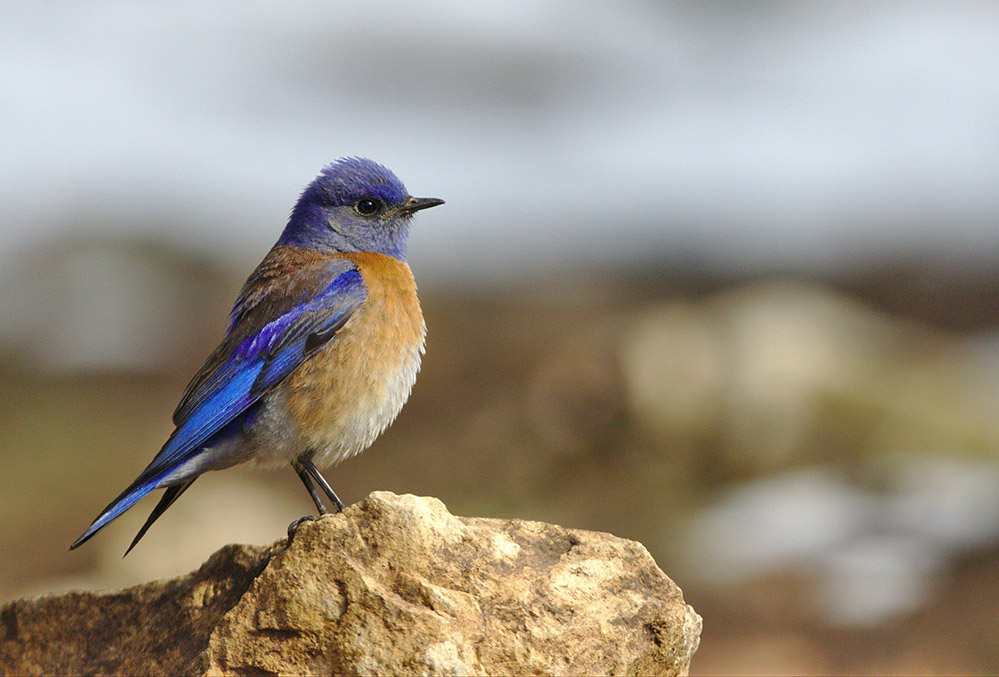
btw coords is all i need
(321, 481)
(303, 474)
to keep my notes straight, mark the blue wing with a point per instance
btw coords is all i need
(270, 334)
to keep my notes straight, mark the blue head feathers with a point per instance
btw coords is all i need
(354, 205)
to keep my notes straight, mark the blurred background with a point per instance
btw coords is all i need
(717, 277)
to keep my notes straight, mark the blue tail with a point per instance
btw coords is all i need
(181, 448)
(142, 485)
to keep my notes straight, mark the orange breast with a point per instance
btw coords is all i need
(346, 395)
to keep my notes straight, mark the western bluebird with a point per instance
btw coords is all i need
(321, 351)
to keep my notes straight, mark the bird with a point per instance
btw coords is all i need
(321, 349)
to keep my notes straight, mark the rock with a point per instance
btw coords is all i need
(777, 374)
(393, 585)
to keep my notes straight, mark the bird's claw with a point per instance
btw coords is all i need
(293, 527)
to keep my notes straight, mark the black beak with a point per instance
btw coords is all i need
(415, 204)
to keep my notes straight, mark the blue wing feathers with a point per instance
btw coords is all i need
(259, 363)
(244, 371)
(212, 416)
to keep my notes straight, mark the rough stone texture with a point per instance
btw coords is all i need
(393, 585)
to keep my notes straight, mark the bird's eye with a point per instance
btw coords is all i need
(367, 206)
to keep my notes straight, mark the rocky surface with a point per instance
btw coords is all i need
(393, 585)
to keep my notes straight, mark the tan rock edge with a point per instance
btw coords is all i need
(392, 585)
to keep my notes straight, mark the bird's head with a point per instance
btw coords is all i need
(354, 205)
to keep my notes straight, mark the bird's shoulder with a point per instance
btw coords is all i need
(287, 274)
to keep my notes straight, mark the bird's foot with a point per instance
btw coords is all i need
(293, 527)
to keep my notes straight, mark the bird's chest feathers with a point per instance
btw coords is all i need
(347, 394)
